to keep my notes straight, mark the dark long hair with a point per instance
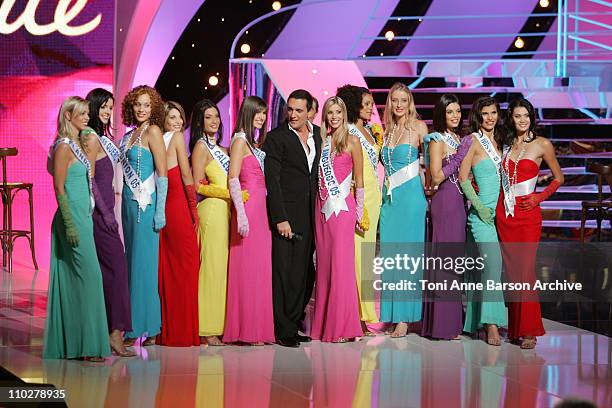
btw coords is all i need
(475, 118)
(251, 106)
(352, 96)
(509, 123)
(96, 98)
(197, 123)
(439, 113)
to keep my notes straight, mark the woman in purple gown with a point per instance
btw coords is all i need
(109, 248)
(443, 310)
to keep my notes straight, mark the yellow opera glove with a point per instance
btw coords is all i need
(213, 191)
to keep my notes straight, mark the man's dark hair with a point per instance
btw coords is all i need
(302, 94)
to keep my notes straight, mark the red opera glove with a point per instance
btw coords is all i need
(191, 200)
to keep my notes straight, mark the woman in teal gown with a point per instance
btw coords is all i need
(76, 316)
(402, 216)
(143, 209)
(486, 308)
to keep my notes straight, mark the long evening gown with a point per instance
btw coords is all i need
(142, 249)
(487, 307)
(365, 243)
(524, 318)
(213, 236)
(443, 310)
(249, 315)
(336, 313)
(402, 221)
(179, 263)
(110, 252)
(76, 319)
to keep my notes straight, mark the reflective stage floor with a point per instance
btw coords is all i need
(374, 372)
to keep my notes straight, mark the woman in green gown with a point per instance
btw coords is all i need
(76, 316)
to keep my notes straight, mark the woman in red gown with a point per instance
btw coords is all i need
(518, 215)
(179, 255)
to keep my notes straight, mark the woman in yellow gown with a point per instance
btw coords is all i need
(210, 164)
(359, 105)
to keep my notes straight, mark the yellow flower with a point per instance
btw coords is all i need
(378, 133)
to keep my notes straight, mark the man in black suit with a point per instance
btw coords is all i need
(291, 167)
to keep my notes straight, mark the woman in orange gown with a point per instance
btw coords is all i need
(518, 215)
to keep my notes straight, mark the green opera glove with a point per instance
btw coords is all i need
(484, 212)
(72, 235)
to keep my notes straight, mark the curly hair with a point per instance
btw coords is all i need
(352, 96)
(157, 106)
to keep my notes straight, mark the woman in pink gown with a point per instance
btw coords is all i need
(249, 287)
(338, 212)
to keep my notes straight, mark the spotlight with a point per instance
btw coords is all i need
(177, 85)
(544, 3)
(519, 43)
(245, 48)
(276, 5)
(314, 71)
(389, 35)
(213, 81)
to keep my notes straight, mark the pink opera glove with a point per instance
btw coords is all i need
(533, 200)
(362, 223)
(241, 217)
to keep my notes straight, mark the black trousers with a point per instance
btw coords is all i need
(292, 281)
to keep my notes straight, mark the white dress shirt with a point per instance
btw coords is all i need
(309, 147)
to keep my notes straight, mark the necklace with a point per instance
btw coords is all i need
(138, 142)
(507, 159)
(387, 142)
(453, 178)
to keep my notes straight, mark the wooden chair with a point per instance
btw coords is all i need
(602, 207)
(8, 235)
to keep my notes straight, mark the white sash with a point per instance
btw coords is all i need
(402, 176)
(219, 155)
(80, 155)
(259, 154)
(369, 149)
(111, 150)
(168, 138)
(509, 198)
(525, 187)
(450, 141)
(336, 192)
(142, 191)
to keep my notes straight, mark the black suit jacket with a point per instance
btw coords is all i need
(291, 185)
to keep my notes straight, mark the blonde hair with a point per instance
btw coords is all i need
(75, 105)
(340, 138)
(411, 116)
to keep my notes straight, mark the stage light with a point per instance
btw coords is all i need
(382, 54)
(173, 58)
(177, 85)
(199, 65)
(245, 48)
(519, 43)
(420, 20)
(314, 71)
(213, 81)
(222, 19)
(198, 20)
(262, 55)
(544, 3)
(325, 93)
(192, 45)
(389, 35)
(276, 5)
(247, 31)
(363, 56)
(121, 29)
(205, 88)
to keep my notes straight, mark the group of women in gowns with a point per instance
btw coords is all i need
(196, 273)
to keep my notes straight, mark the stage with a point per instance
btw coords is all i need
(373, 372)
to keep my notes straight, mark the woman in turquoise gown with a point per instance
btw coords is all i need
(485, 308)
(76, 316)
(143, 208)
(402, 216)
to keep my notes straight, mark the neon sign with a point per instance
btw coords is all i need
(64, 14)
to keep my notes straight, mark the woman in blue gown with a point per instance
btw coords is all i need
(402, 216)
(143, 154)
